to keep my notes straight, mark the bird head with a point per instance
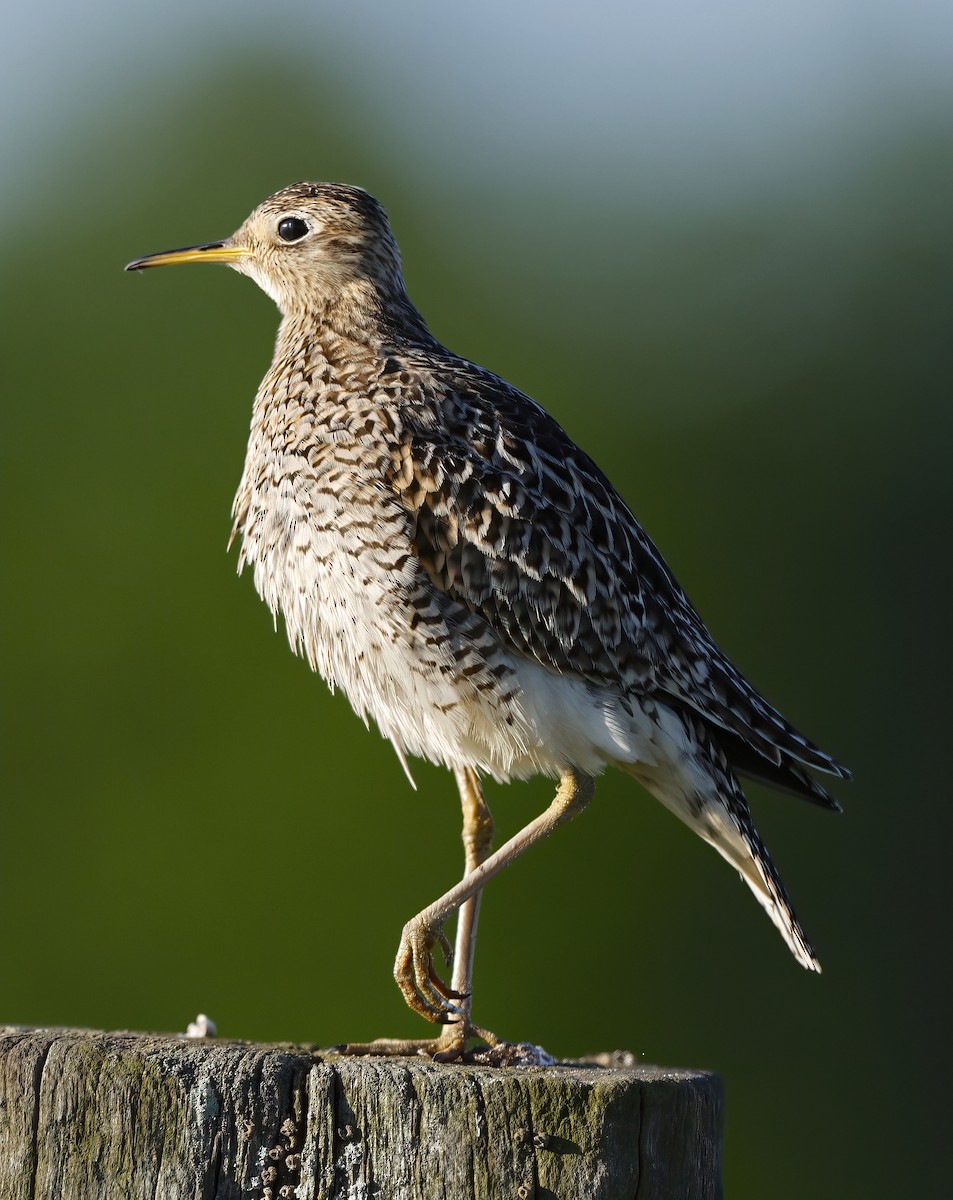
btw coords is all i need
(312, 247)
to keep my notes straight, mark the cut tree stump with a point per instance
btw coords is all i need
(129, 1116)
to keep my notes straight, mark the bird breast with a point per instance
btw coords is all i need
(328, 542)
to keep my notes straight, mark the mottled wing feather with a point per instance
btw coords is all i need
(514, 521)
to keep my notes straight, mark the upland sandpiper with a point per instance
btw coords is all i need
(445, 554)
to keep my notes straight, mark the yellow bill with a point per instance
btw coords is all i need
(220, 252)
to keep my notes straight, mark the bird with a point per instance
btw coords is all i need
(443, 553)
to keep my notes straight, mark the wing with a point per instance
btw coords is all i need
(514, 521)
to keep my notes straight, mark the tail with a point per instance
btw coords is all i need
(729, 828)
(699, 786)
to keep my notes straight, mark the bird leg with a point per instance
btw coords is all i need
(477, 843)
(414, 971)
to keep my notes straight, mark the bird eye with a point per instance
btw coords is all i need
(292, 229)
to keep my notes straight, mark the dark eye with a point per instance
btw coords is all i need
(292, 229)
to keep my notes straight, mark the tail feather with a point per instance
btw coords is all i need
(743, 719)
(697, 783)
(734, 836)
(788, 776)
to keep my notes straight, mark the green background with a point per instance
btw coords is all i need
(191, 822)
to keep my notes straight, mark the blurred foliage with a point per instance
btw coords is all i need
(192, 822)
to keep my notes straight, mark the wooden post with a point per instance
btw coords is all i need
(128, 1116)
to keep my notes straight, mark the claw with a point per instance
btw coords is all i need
(444, 989)
(423, 989)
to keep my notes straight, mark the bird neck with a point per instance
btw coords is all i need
(344, 331)
(362, 311)
(303, 339)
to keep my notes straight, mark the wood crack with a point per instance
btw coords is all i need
(39, 1069)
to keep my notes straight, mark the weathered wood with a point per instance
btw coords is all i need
(127, 1116)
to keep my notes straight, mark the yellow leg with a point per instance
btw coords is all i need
(414, 972)
(477, 843)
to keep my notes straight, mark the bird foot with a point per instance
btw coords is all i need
(450, 1046)
(425, 992)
